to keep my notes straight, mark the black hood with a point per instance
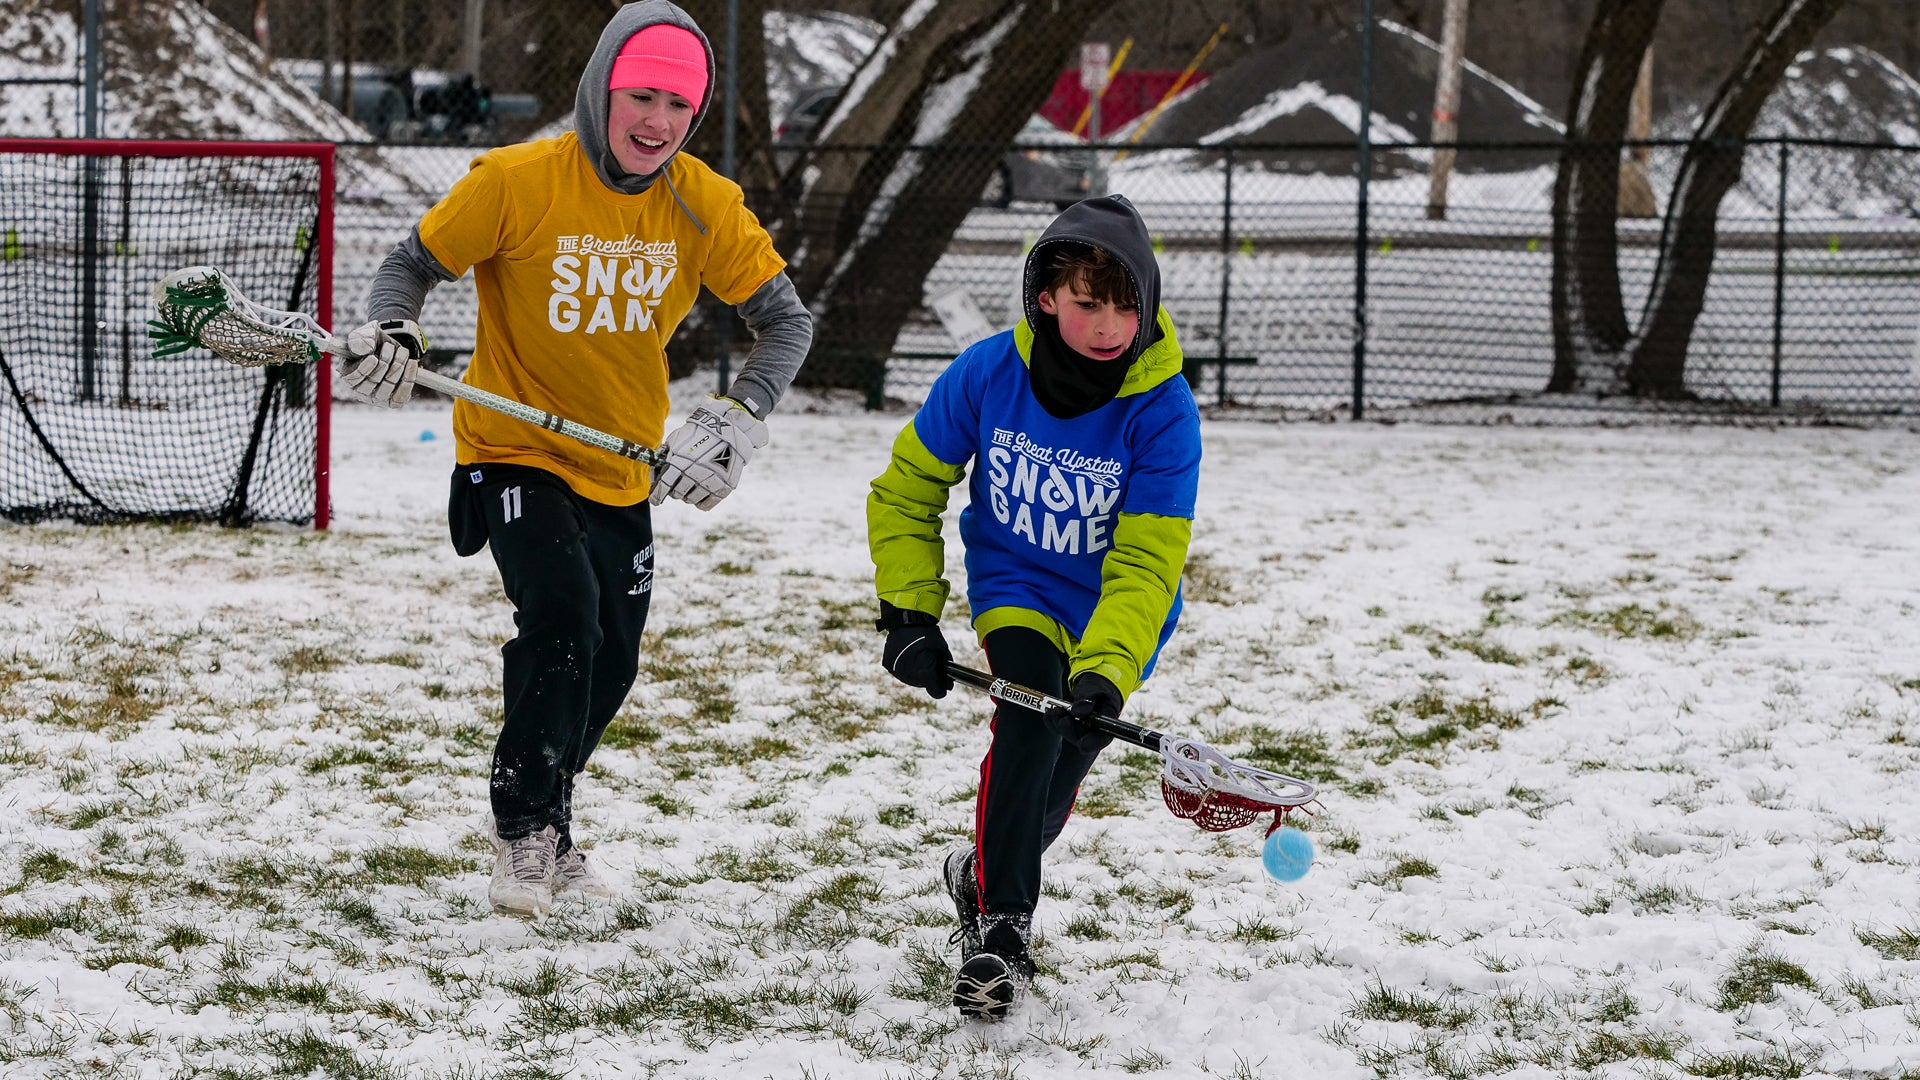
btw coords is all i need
(1067, 383)
(590, 102)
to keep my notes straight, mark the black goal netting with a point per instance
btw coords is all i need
(92, 426)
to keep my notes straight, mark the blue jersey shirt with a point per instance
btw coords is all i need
(1045, 493)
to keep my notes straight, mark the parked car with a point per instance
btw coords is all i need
(1046, 165)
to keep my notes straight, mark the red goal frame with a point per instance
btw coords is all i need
(323, 154)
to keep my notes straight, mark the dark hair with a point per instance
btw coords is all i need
(1093, 270)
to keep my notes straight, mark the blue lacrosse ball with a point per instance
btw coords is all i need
(427, 435)
(1287, 854)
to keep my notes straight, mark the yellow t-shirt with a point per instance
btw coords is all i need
(580, 287)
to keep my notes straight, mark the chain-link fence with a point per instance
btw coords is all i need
(1275, 257)
(1303, 259)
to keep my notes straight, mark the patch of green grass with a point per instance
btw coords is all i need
(1381, 1002)
(925, 977)
(1776, 1064)
(40, 864)
(1901, 943)
(1172, 900)
(1144, 1060)
(180, 937)
(125, 687)
(1662, 896)
(1476, 644)
(1342, 841)
(763, 863)
(1424, 725)
(39, 922)
(1606, 1047)
(1403, 867)
(1256, 931)
(282, 988)
(1754, 977)
(301, 1054)
(1304, 754)
(1634, 621)
(402, 864)
(310, 660)
(1088, 926)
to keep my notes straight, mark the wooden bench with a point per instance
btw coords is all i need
(1193, 371)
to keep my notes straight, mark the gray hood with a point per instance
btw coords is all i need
(590, 102)
(1111, 222)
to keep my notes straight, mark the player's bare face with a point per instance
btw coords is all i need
(646, 126)
(1097, 328)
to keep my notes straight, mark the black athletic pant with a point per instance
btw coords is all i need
(1030, 776)
(579, 574)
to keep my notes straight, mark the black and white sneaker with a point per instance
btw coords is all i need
(992, 979)
(964, 889)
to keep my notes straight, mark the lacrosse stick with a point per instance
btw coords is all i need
(200, 306)
(1199, 783)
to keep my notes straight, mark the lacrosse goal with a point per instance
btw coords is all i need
(92, 426)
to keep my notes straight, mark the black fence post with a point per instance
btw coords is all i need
(1226, 275)
(1779, 271)
(1364, 166)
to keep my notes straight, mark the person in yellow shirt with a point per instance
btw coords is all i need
(587, 251)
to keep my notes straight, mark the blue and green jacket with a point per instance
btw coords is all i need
(1077, 528)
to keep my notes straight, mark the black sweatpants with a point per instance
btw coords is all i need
(580, 575)
(1029, 778)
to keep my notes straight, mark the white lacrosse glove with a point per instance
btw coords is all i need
(705, 456)
(382, 360)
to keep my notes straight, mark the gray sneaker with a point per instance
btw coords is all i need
(573, 874)
(523, 875)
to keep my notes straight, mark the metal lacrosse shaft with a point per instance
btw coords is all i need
(1002, 690)
(433, 380)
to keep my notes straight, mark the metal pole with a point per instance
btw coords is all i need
(1226, 275)
(1779, 273)
(1365, 166)
(730, 102)
(91, 123)
(476, 9)
(90, 212)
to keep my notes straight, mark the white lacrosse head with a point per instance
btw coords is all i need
(1200, 770)
(190, 279)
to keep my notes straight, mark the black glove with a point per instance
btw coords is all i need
(1093, 696)
(916, 652)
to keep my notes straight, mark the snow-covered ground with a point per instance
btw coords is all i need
(1614, 730)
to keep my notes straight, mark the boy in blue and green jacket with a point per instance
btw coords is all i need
(1085, 447)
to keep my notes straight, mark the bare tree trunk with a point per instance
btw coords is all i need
(1636, 190)
(958, 77)
(1708, 171)
(1589, 320)
(1446, 105)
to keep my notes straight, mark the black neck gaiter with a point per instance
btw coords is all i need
(1066, 383)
